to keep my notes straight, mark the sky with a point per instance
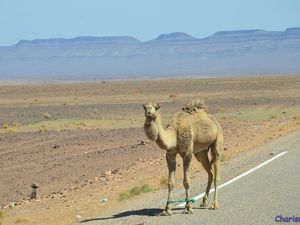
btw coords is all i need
(142, 19)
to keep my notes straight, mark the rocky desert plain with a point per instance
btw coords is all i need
(83, 143)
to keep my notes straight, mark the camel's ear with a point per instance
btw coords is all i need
(144, 105)
(157, 106)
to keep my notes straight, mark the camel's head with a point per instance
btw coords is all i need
(151, 109)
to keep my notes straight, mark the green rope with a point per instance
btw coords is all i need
(182, 200)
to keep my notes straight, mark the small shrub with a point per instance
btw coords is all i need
(5, 126)
(83, 124)
(223, 158)
(134, 192)
(124, 195)
(10, 130)
(172, 95)
(16, 124)
(273, 117)
(236, 98)
(146, 188)
(219, 109)
(297, 118)
(47, 116)
(163, 181)
(80, 125)
(43, 128)
(21, 220)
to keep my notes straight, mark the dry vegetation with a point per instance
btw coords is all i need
(163, 182)
(1, 217)
(134, 191)
(21, 221)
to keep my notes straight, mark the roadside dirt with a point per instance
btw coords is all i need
(77, 166)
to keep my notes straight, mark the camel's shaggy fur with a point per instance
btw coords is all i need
(192, 131)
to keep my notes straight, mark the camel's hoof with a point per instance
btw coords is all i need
(204, 202)
(166, 212)
(188, 211)
(214, 206)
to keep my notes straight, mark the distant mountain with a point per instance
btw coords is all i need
(242, 52)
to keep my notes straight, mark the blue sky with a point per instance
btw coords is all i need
(143, 19)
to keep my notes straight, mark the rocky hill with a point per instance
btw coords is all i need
(242, 52)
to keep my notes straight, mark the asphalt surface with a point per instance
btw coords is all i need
(258, 198)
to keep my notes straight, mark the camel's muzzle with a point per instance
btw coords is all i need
(150, 114)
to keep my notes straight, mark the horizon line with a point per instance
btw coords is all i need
(162, 34)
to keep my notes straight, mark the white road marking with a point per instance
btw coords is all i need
(237, 178)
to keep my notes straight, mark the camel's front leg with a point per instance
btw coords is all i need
(186, 180)
(171, 161)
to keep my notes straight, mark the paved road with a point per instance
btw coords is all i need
(256, 199)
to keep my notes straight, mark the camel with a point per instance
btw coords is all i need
(191, 132)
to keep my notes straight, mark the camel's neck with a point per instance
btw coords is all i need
(165, 138)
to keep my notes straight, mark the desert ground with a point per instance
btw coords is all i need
(84, 144)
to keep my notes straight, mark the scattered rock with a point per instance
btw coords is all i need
(56, 146)
(104, 200)
(141, 142)
(12, 205)
(143, 223)
(78, 218)
(108, 173)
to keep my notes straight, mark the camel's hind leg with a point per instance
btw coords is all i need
(202, 157)
(216, 151)
(171, 161)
